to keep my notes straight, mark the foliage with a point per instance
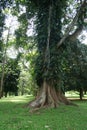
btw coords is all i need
(26, 83)
(66, 65)
(12, 73)
(50, 66)
(46, 60)
(3, 5)
(42, 71)
(76, 68)
(1, 24)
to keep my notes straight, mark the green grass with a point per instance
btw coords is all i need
(14, 116)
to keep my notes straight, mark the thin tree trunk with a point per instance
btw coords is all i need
(85, 92)
(6, 94)
(2, 80)
(81, 93)
(2, 76)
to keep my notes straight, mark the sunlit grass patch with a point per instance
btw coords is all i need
(24, 98)
(14, 116)
(74, 95)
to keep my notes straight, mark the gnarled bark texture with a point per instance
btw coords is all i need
(49, 97)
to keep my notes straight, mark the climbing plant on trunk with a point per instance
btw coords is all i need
(50, 40)
(55, 26)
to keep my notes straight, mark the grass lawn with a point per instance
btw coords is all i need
(13, 116)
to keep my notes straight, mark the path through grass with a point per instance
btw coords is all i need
(13, 116)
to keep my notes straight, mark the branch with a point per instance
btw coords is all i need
(75, 20)
(47, 53)
(75, 34)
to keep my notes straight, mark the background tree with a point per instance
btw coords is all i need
(26, 46)
(3, 5)
(5, 45)
(11, 77)
(74, 67)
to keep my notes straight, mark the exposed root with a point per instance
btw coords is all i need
(49, 97)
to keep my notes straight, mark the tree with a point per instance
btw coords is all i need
(55, 27)
(3, 5)
(12, 73)
(26, 46)
(50, 45)
(75, 67)
(2, 17)
(5, 44)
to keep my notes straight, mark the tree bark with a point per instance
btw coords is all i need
(81, 93)
(75, 34)
(2, 76)
(6, 94)
(49, 97)
(85, 92)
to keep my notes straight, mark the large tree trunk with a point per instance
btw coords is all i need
(49, 97)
